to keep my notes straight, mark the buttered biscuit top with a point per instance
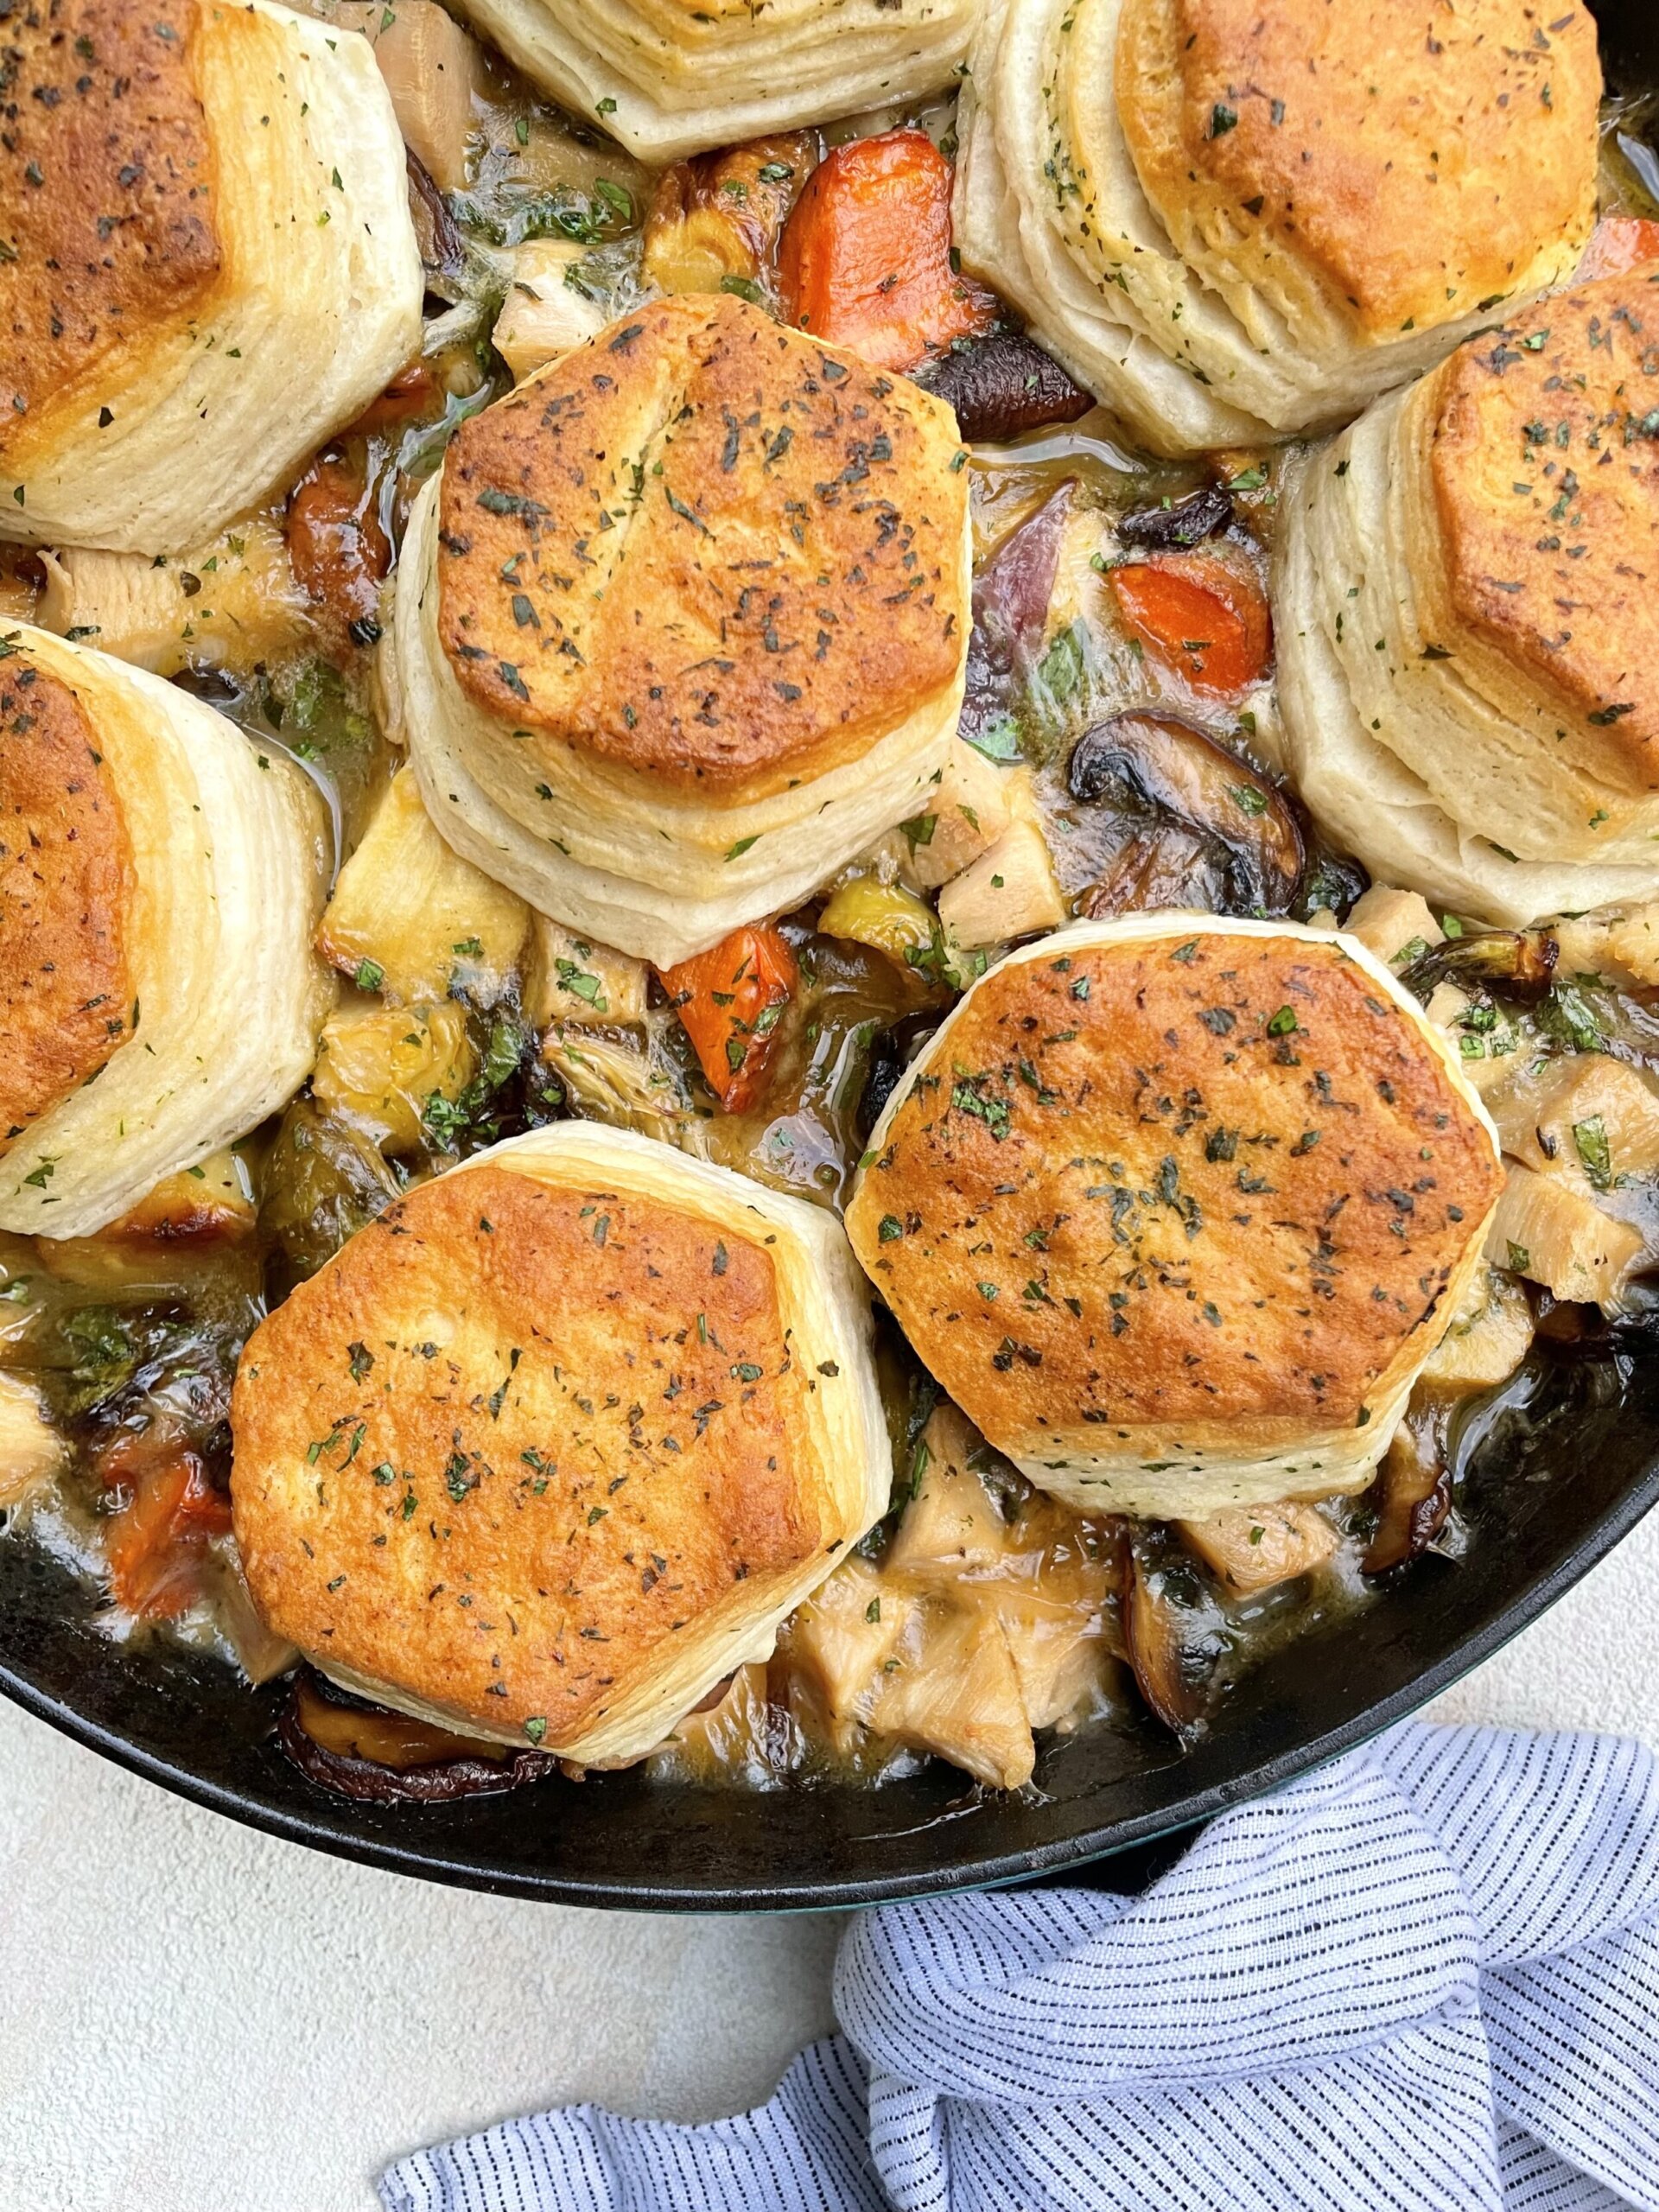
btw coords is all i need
(1468, 620)
(706, 549)
(1233, 221)
(687, 623)
(208, 266)
(1174, 1211)
(554, 1445)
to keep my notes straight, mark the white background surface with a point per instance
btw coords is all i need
(196, 2018)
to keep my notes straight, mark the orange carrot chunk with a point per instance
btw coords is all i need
(864, 260)
(731, 1002)
(1199, 617)
(1617, 243)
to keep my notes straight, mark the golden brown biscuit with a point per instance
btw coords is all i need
(1233, 223)
(159, 885)
(1545, 460)
(209, 264)
(682, 625)
(555, 1443)
(1465, 609)
(1176, 1207)
(763, 577)
(1415, 160)
(65, 879)
(108, 182)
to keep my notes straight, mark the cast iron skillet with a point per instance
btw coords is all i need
(1542, 1507)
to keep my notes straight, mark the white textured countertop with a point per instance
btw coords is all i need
(195, 2017)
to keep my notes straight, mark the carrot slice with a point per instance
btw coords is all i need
(173, 1510)
(864, 260)
(730, 1000)
(1617, 243)
(1199, 617)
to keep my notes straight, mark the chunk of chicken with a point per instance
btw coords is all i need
(30, 1448)
(958, 1694)
(1622, 944)
(842, 1639)
(571, 980)
(1256, 1546)
(1490, 1335)
(544, 317)
(1549, 1232)
(964, 814)
(1010, 891)
(1396, 925)
(1584, 1116)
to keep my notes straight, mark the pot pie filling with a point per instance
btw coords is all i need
(855, 976)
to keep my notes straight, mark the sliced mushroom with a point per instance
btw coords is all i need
(1517, 964)
(891, 1052)
(1412, 1494)
(384, 1758)
(1222, 831)
(1186, 522)
(1169, 866)
(443, 250)
(1173, 1633)
(1002, 385)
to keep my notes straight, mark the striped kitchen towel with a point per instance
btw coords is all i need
(1425, 1979)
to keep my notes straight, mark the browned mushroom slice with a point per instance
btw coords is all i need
(1003, 384)
(1173, 1633)
(1169, 865)
(443, 254)
(1252, 848)
(1412, 1494)
(386, 1758)
(1178, 524)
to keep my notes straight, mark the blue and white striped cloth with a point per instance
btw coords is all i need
(1424, 1980)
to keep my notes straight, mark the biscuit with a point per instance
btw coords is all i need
(1176, 1207)
(556, 1443)
(159, 886)
(209, 262)
(683, 624)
